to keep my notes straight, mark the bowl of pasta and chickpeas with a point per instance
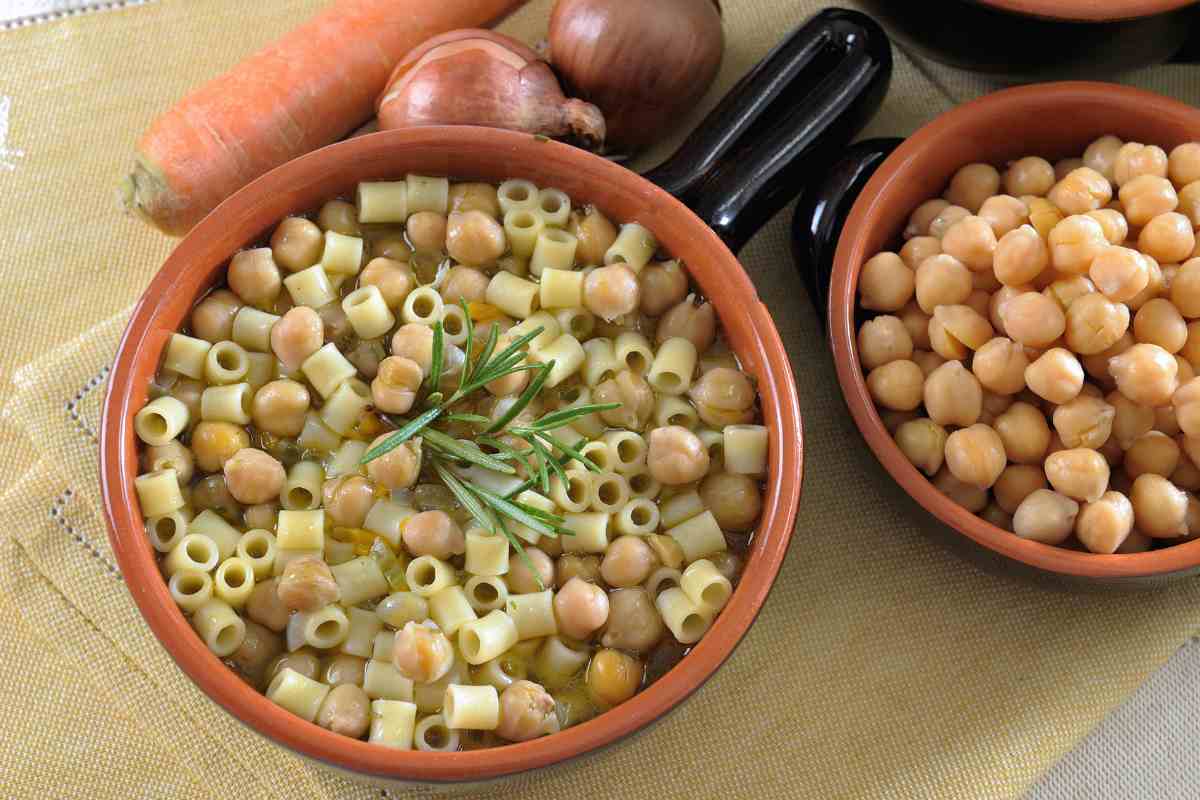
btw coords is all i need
(1012, 318)
(440, 479)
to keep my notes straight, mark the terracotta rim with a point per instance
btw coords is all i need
(919, 168)
(1088, 10)
(194, 265)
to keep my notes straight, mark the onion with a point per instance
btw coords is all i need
(644, 62)
(478, 77)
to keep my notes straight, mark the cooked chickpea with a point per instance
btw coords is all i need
(394, 279)
(1158, 322)
(253, 477)
(345, 710)
(580, 608)
(885, 283)
(1191, 348)
(1146, 374)
(427, 231)
(1004, 213)
(916, 322)
(972, 498)
(923, 443)
(734, 500)
(1189, 203)
(1082, 190)
(1086, 421)
(469, 196)
(474, 238)
(883, 339)
(942, 280)
(519, 578)
(1020, 256)
(571, 566)
(394, 389)
(339, 216)
(307, 584)
(1000, 366)
(172, 455)
(1103, 525)
(1064, 167)
(1101, 155)
(1065, 291)
(946, 219)
(898, 384)
(915, 251)
(1159, 507)
(613, 677)
(637, 398)
(1029, 175)
(1146, 197)
(973, 184)
(214, 443)
(1113, 223)
(633, 622)
(1186, 402)
(433, 533)
(975, 455)
(1154, 453)
(1135, 158)
(258, 649)
(527, 711)
(212, 318)
(1130, 419)
(677, 456)
(1183, 164)
(1185, 289)
(972, 241)
(665, 284)
(595, 234)
(1045, 516)
(952, 395)
(296, 336)
(927, 361)
(297, 244)
(305, 661)
(422, 653)
(723, 389)
(265, 607)
(1074, 243)
(612, 291)
(393, 248)
(279, 407)
(1024, 432)
(1056, 376)
(919, 220)
(1168, 238)
(399, 467)
(254, 277)
(1033, 319)
(1164, 420)
(1078, 473)
(1095, 323)
(627, 562)
(696, 323)
(347, 499)
(344, 669)
(210, 492)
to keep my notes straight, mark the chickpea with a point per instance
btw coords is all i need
(1015, 483)
(1079, 473)
(259, 648)
(188, 391)
(434, 533)
(580, 608)
(334, 321)
(1000, 366)
(305, 661)
(347, 499)
(1056, 376)
(882, 340)
(1065, 291)
(344, 669)
(945, 219)
(955, 330)
(212, 318)
(527, 711)
(1147, 197)
(633, 622)
(923, 443)
(1154, 453)
(919, 220)
(1029, 175)
(898, 385)
(627, 562)
(1101, 155)
(1064, 167)
(942, 280)
(1033, 319)
(734, 500)
(1183, 165)
(973, 184)
(975, 455)
(1135, 542)
(915, 251)
(1020, 256)
(1000, 299)
(253, 276)
(422, 653)
(980, 301)
(972, 498)
(1186, 474)
(997, 516)
(260, 515)
(521, 581)
(613, 677)
(395, 387)
(1164, 420)
(723, 389)
(297, 244)
(345, 710)
(473, 238)
(474, 197)
(1086, 421)
(1112, 222)
(952, 395)
(1134, 159)
(339, 216)
(1185, 289)
(296, 336)
(664, 284)
(595, 234)
(399, 467)
(1081, 191)
(696, 323)
(885, 283)
(171, 455)
(585, 568)
(394, 279)
(1024, 432)
(916, 322)
(677, 456)
(1003, 213)
(1146, 374)
(1190, 351)
(1186, 402)
(1095, 323)
(972, 241)
(1074, 243)
(1159, 507)
(393, 248)
(1168, 238)
(1045, 516)
(1189, 203)
(415, 342)
(214, 443)
(279, 407)
(1103, 525)
(1158, 322)
(612, 291)
(307, 584)
(264, 607)
(253, 477)
(636, 399)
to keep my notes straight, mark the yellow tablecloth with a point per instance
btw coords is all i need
(882, 665)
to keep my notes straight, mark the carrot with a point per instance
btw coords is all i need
(312, 87)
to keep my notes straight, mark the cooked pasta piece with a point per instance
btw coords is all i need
(185, 355)
(674, 410)
(553, 249)
(387, 519)
(600, 363)
(471, 707)
(166, 530)
(560, 288)
(608, 492)
(382, 681)
(573, 495)
(234, 581)
(633, 351)
(219, 626)
(686, 620)
(190, 589)
(745, 449)
(345, 407)
(427, 575)
(627, 450)
(300, 530)
(342, 254)
(382, 201)
(346, 459)
(316, 435)
(368, 312)
(634, 247)
(432, 735)
(487, 553)
(705, 586)
(360, 638)
(517, 194)
(327, 369)
(392, 723)
(699, 536)
(160, 421)
(211, 524)
(541, 319)
(532, 614)
(680, 508)
(483, 639)
(522, 228)
(252, 329)
(257, 548)
(486, 593)
(423, 306)
(589, 532)
(230, 403)
(638, 517)
(554, 206)
(514, 296)
(298, 693)
(426, 193)
(360, 579)
(310, 287)
(559, 661)
(158, 492)
(450, 609)
(673, 365)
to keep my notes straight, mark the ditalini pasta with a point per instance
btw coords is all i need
(570, 514)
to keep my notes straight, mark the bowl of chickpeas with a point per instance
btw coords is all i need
(443, 454)
(1015, 316)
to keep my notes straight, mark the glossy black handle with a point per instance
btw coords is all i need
(787, 117)
(822, 210)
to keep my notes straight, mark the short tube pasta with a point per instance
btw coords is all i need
(316, 435)
(193, 552)
(522, 227)
(633, 351)
(673, 365)
(426, 193)
(487, 553)
(531, 498)
(432, 736)
(160, 421)
(486, 593)
(190, 589)
(561, 288)
(486, 638)
(427, 575)
(166, 530)
(211, 524)
(598, 453)
(300, 530)
(686, 621)
(400, 608)
(392, 723)
(345, 407)
(638, 517)
(342, 254)
(746, 448)
(705, 586)
(471, 708)
(219, 626)
(382, 681)
(368, 313)
(326, 627)
(360, 638)
(284, 557)
(226, 362)
(558, 662)
(423, 306)
(327, 369)
(514, 296)
(230, 403)
(260, 369)
(532, 614)
(661, 579)
(642, 485)
(567, 354)
(517, 194)
(700, 536)
(387, 519)
(579, 322)
(573, 495)
(671, 409)
(185, 355)
(257, 548)
(634, 247)
(680, 508)
(628, 451)
(234, 581)
(553, 249)
(310, 287)
(608, 492)
(360, 579)
(554, 206)
(382, 201)
(541, 319)
(252, 329)
(454, 324)
(302, 489)
(346, 459)
(450, 609)
(158, 492)
(600, 363)
(298, 693)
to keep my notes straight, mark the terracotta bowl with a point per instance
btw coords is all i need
(1053, 120)
(199, 261)
(1087, 10)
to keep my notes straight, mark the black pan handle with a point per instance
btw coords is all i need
(789, 116)
(822, 210)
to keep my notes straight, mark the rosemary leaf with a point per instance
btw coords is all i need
(528, 484)
(407, 430)
(531, 391)
(439, 355)
(572, 454)
(463, 451)
(543, 467)
(520, 548)
(556, 419)
(469, 501)
(470, 419)
(517, 512)
(466, 369)
(488, 348)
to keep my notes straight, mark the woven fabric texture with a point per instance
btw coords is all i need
(883, 665)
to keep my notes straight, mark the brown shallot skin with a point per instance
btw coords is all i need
(479, 77)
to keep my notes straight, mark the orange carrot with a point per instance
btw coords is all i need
(312, 87)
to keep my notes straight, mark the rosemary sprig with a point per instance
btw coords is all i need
(407, 430)
(438, 356)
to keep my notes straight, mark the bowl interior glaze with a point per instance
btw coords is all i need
(462, 152)
(1053, 120)
(1088, 10)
